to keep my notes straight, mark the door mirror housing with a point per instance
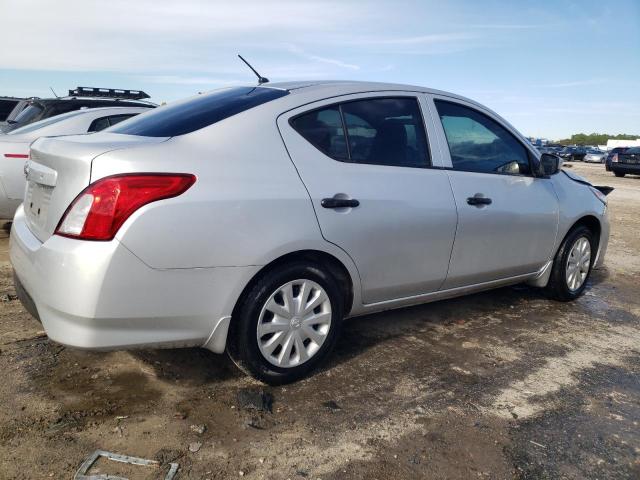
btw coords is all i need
(549, 164)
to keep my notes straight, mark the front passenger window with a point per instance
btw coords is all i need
(478, 143)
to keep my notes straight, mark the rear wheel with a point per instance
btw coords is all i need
(572, 265)
(619, 174)
(286, 324)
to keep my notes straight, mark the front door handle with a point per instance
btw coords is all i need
(339, 202)
(477, 200)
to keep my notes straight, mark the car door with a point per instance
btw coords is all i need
(365, 162)
(507, 217)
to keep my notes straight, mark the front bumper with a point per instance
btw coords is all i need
(99, 295)
(605, 229)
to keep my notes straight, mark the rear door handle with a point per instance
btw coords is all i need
(476, 200)
(339, 203)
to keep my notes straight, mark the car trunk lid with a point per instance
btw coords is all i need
(59, 168)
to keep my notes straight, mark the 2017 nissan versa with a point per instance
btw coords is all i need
(254, 219)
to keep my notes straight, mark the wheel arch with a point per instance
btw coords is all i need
(324, 259)
(591, 222)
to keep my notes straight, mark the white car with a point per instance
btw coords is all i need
(14, 146)
(254, 219)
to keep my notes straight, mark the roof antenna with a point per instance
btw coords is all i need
(261, 79)
(54, 92)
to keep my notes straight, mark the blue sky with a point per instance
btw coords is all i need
(552, 68)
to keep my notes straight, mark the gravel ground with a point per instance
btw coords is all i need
(504, 384)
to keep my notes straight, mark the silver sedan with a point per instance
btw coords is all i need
(255, 219)
(595, 156)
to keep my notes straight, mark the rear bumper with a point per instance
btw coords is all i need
(98, 295)
(625, 168)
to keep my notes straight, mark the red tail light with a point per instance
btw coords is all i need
(16, 155)
(100, 209)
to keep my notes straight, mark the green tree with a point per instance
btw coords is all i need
(595, 138)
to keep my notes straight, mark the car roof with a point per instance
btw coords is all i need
(352, 86)
(328, 88)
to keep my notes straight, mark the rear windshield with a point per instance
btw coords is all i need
(194, 113)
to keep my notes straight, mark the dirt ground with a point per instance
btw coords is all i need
(504, 384)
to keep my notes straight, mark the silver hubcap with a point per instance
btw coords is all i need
(294, 323)
(578, 263)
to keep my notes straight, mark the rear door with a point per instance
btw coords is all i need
(507, 217)
(365, 160)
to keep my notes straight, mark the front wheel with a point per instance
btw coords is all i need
(286, 324)
(572, 265)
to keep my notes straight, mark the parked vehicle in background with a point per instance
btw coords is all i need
(610, 154)
(626, 162)
(80, 98)
(594, 156)
(573, 153)
(8, 105)
(566, 153)
(272, 212)
(14, 146)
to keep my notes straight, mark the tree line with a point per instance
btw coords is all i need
(595, 138)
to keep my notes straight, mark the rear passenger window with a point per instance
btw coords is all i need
(115, 119)
(386, 131)
(323, 129)
(380, 131)
(479, 144)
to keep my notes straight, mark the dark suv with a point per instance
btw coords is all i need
(81, 97)
(11, 106)
(573, 153)
(626, 162)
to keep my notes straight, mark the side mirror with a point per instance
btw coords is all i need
(549, 164)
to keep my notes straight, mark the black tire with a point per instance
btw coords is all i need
(619, 174)
(558, 288)
(242, 343)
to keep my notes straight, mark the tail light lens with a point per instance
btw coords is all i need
(614, 159)
(16, 155)
(99, 210)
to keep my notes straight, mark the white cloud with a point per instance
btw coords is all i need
(160, 35)
(577, 83)
(316, 58)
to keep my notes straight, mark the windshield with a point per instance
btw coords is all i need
(29, 114)
(186, 116)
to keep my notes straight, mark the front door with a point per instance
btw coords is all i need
(507, 217)
(367, 167)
